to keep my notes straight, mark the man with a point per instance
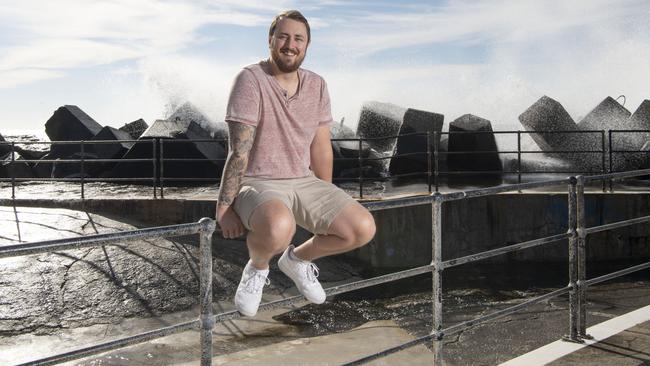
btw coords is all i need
(279, 169)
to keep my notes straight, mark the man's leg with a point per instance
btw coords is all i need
(352, 228)
(272, 227)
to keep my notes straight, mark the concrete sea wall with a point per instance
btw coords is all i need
(469, 226)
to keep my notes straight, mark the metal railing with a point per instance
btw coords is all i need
(205, 322)
(431, 157)
(576, 234)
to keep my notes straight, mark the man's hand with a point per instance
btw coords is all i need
(229, 222)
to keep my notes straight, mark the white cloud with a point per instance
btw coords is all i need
(12, 78)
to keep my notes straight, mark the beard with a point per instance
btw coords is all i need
(285, 66)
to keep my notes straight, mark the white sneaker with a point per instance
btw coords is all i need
(249, 291)
(303, 274)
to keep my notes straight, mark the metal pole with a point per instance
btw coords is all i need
(518, 156)
(13, 170)
(81, 174)
(436, 166)
(603, 166)
(162, 168)
(153, 161)
(206, 316)
(573, 265)
(436, 261)
(581, 254)
(611, 187)
(429, 159)
(360, 169)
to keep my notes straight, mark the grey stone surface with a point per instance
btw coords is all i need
(188, 112)
(45, 293)
(107, 150)
(346, 160)
(416, 121)
(607, 115)
(4, 148)
(135, 129)
(379, 120)
(70, 123)
(549, 115)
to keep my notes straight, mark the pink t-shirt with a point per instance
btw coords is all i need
(285, 127)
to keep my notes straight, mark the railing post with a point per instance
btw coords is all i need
(162, 168)
(582, 260)
(82, 171)
(436, 166)
(611, 187)
(429, 159)
(604, 164)
(573, 265)
(436, 261)
(154, 156)
(206, 316)
(360, 169)
(519, 157)
(13, 170)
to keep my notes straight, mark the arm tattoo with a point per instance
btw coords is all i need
(241, 138)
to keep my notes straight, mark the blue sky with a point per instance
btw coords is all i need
(121, 60)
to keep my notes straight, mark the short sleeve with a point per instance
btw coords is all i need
(244, 101)
(325, 113)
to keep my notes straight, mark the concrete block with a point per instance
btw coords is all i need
(371, 165)
(70, 123)
(416, 121)
(468, 134)
(548, 115)
(174, 140)
(135, 129)
(379, 120)
(16, 169)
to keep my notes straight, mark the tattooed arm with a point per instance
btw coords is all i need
(241, 137)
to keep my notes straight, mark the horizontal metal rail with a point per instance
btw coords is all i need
(97, 240)
(619, 175)
(616, 225)
(115, 344)
(503, 250)
(620, 273)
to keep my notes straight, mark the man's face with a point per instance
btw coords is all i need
(288, 44)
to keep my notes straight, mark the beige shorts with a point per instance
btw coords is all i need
(313, 202)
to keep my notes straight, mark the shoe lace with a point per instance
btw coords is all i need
(256, 283)
(312, 272)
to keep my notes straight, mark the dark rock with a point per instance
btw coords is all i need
(220, 133)
(16, 169)
(5, 148)
(73, 169)
(173, 140)
(632, 141)
(416, 121)
(31, 154)
(468, 135)
(135, 129)
(110, 150)
(346, 158)
(107, 150)
(70, 123)
(379, 120)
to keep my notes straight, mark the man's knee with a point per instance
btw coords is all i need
(364, 230)
(273, 226)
